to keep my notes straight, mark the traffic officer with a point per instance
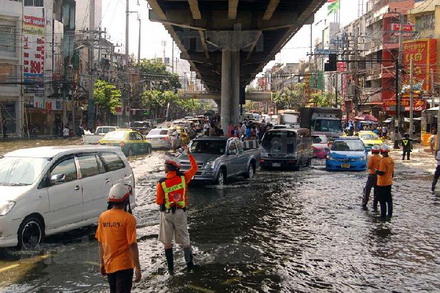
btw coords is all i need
(385, 181)
(407, 146)
(116, 234)
(373, 165)
(172, 196)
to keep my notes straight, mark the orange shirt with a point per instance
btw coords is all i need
(116, 231)
(160, 195)
(387, 166)
(373, 163)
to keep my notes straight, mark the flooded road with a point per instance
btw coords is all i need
(282, 231)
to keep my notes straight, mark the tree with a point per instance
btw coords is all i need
(289, 98)
(107, 98)
(157, 77)
(323, 99)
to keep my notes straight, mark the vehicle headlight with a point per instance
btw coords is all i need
(330, 158)
(209, 164)
(6, 207)
(363, 158)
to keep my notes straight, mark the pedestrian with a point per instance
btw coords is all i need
(66, 131)
(432, 143)
(437, 172)
(116, 234)
(407, 146)
(384, 182)
(174, 135)
(373, 165)
(5, 127)
(172, 197)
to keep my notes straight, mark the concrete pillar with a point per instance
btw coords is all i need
(226, 90)
(19, 116)
(230, 89)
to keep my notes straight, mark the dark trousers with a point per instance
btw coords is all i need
(436, 176)
(407, 153)
(120, 281)
(386, 201)
(371, 182)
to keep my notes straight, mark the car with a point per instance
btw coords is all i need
(143, 127)
(159, 138)
(347, 153)
(320, 145)
(131, 142)
(369, 138)
(48, 190)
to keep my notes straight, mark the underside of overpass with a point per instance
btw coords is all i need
(227, 42)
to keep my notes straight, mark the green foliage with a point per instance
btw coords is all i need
(155, 73)
(323, 99)
(290, 98)
(107, 96)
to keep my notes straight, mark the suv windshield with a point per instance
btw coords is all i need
(15, 171)
(208, 146)
(348, 146)
(115, 135)
(279, 141)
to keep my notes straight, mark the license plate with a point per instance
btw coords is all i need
(276, 164)
(345, 166)
(110, 144)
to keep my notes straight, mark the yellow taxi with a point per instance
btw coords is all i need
(130, 141)
(369, 138)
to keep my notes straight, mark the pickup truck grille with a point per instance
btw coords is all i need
(187, 165)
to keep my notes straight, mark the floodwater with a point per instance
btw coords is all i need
(283, 231)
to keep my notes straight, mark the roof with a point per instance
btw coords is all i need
(217, 138)
(51, 151)
(348, 138)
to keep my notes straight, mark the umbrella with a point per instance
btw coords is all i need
(365, 117)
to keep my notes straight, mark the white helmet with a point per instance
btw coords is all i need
(119, 193)
(375, 149)
(384, 148)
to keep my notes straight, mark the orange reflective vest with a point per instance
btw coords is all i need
(175, 192)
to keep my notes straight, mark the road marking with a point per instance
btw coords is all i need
(197, 288)
(231, 280)
(9, 268)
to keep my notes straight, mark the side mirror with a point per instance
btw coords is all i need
(57, 178)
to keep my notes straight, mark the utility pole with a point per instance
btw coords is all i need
(356, 79)
(91, 103)
(127, 68)
(172, 57)
(411, 98)
(140, 39)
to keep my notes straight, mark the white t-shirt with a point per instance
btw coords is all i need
(66, 132)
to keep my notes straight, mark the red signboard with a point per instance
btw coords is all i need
(418, 105)
(341, 66)
(405, 27)
(423, 52)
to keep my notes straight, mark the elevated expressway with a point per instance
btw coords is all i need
(227, 42)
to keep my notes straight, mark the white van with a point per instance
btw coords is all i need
(47, 190)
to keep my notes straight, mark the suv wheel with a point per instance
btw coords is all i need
(30, 233)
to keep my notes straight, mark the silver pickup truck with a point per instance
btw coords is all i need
(220, 158)
(94, 138)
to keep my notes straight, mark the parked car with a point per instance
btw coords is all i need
(131, 142)
(143, 127)
(220, 158)
(347, 153)
(159, 138)
(320, 145)
(286, 148)
(98, 134)
(48, 190)
(369, 138)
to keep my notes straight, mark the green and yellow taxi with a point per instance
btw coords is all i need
(130, 141)
(369, 138)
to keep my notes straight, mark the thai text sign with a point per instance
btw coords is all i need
(423, 52)
(418, 105)
(33, 53)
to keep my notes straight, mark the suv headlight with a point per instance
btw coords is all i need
(330, 158)
(209, 164)
(363, 158)
(6, 207)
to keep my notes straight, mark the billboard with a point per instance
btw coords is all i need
(423, 52)
(33, 50)
(418, 105)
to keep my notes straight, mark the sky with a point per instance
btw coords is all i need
(154, 35)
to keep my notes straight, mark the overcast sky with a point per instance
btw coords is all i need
(154, 35)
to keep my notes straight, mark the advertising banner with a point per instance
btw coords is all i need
(423, 52)
(33, 51)
(418, 105)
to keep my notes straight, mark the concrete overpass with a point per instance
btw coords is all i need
(216, 96)
(227, 42)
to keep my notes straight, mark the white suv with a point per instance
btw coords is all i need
(47, 190)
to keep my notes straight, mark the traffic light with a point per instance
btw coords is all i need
(330, 65)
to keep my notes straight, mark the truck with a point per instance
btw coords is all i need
(220, 158)
(99, 133)
(289, 118)
(323, 120)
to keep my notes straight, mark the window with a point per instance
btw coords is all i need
(88, 165)
(7, 38)
(35, 3)
(112, 161)
(135, 136)
(67, 168)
